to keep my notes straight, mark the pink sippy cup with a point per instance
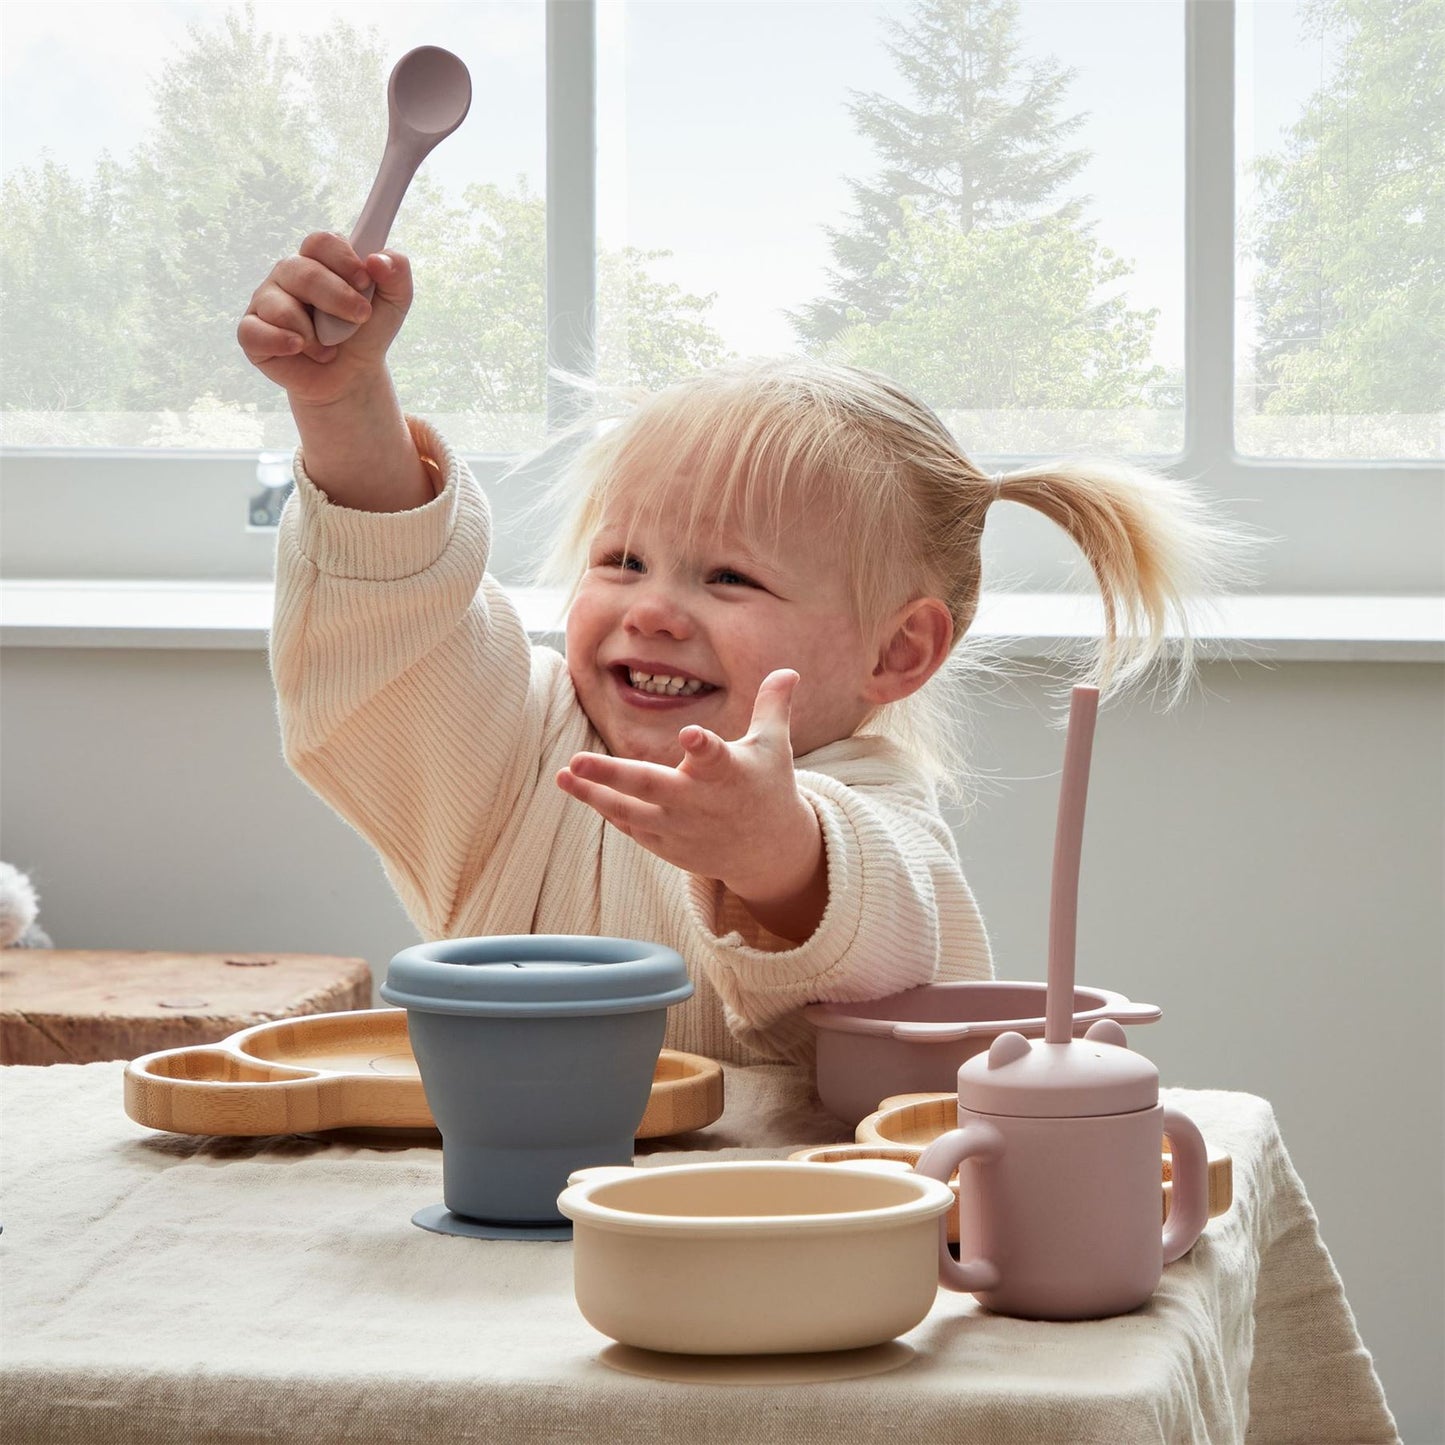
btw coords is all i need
(1059, 1139)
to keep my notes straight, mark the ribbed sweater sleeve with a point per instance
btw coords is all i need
(404, 682)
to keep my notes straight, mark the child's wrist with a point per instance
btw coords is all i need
(360, 452)
(361, 399)
(789, 899)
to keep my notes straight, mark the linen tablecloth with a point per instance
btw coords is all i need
(161, 1288)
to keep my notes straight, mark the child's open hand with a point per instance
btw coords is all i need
(278, 335)
(730, 811)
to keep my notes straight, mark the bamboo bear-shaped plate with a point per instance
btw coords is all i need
(350, 1070)
(906, 1124)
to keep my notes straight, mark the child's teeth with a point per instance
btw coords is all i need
(663, 684)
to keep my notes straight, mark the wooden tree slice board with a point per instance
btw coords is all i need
(906, 1124)
(351, 1070)
(78, 1006)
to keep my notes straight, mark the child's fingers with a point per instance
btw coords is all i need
(262, 341)
(277, 306)
(773, 709)
(629, 815)
(391, 273)
(336, 254)
(278, 311)
(314, 284)
(648, 782)
(704, 751)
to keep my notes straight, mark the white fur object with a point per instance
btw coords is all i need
(19, 908)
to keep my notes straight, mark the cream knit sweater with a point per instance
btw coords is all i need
(413, 702)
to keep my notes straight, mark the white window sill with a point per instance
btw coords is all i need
(54, 612)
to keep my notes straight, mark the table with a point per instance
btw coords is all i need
(161, 1288)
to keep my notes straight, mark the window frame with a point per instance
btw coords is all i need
(1334, 527)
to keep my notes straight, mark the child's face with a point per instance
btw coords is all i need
(716, 615)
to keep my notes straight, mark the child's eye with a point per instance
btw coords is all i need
(729, 578)
(624, 561)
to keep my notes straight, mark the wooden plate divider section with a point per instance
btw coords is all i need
(352, 1070)
(904, 1125)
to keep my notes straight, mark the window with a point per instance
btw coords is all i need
(1213, 246)
(947, 194)
(1340, 260)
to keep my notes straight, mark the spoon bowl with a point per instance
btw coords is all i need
(429, 92)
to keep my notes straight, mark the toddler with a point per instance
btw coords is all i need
(740, 755)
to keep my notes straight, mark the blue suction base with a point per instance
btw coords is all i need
(440, 1220)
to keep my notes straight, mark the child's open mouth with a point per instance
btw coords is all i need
(661, 684)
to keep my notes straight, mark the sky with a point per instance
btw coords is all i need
(723, 135)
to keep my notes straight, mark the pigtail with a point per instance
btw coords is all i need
(1158, 554)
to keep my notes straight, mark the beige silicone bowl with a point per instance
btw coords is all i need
(744, 1257)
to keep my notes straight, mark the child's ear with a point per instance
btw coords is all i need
(912, 647)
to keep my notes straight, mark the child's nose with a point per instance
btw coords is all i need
(657, 608)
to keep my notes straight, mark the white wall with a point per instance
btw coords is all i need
(1266, 865)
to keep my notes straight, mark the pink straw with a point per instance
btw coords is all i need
(1068, 845)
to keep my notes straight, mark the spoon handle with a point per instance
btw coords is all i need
(398, 165)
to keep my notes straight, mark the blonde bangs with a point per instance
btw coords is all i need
(765, 448)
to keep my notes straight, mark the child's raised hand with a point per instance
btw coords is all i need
(279, 338)
(730, 811)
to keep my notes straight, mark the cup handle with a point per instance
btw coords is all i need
(979, 1141)
(1189, 1196)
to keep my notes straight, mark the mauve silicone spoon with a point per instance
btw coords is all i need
(428, 97)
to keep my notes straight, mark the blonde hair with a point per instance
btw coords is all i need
(882, 479)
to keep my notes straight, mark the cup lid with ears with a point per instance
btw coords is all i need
(1030, 1078)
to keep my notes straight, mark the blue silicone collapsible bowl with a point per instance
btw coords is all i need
(537, 1054)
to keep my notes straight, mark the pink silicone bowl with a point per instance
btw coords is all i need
(913, 1042)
